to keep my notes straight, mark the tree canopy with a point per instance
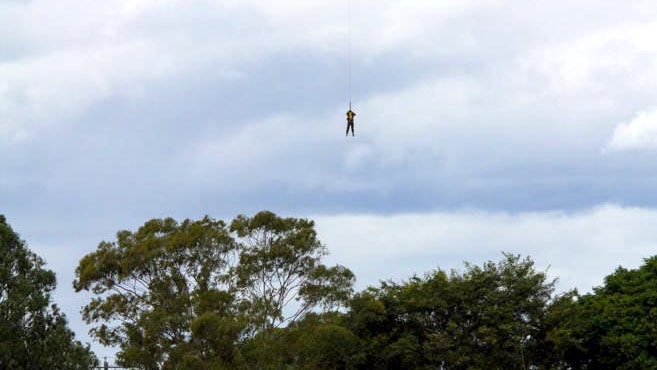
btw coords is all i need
(617, 323)
(255, 293)
(485, 318)
(192, 292)
(33, 331)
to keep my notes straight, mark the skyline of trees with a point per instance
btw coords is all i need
(255, 294)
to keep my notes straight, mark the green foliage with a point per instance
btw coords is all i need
(558, 342)
(503, 316)
(280, 266)
(486, 318)
(316, 341)
(256, 295)
(197, 294)
(328, 346)
(33, 332)
(157, 291)
(618, 321)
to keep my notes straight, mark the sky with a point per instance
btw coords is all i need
(482, 127)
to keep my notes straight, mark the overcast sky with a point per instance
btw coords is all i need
(482, 127)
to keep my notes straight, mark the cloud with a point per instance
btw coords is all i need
(580, 248)
(41, 91)
(639, 133)
(64, 59)
(95, 53)
(440, 142)
(611, 65)
(459, 104)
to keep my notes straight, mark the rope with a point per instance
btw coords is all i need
(349, 43)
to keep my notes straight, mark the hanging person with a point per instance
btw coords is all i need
(350, 121)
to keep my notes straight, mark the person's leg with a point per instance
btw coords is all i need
(347, 133)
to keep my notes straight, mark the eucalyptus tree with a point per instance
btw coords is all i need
(157, 290)
(195, 294)
(280, 276)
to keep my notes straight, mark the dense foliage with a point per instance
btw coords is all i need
(200, 294)
(486, 318)
(33, 331)
(255, 295)
(617, 323)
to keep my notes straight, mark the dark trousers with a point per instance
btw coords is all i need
(350, 123)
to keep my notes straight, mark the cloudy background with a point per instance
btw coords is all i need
(482, 127)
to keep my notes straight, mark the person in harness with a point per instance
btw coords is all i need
(350, 121)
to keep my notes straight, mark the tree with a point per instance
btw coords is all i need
(193, 295)
(158, 291)
(618, 321)
(316, 341)
(325, 342)
(558, 344)
(280, 276)
(33, 331)
(488, 317)
(500, 309)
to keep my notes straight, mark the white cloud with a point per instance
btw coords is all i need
(579, 248)
(37, 92)
(223, 155)
(599, 63)
(639, 133)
